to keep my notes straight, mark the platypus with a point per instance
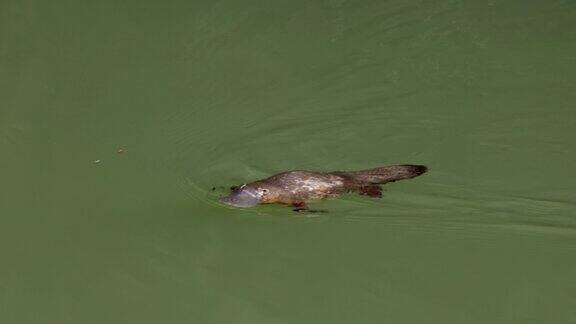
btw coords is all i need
(296, 188)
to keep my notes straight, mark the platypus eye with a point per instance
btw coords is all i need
(264, 191)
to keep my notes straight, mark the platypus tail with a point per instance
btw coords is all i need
(387, 174)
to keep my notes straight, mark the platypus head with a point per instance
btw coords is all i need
(243, 196)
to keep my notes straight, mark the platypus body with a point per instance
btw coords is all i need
(295, 188)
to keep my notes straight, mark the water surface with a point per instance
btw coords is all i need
(118, 118)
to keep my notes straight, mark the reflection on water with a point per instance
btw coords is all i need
(205, 95)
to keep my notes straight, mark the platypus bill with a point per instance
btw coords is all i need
(295, 188)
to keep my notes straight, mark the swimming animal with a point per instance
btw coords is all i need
(295, 188)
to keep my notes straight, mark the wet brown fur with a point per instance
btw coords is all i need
(297, 187)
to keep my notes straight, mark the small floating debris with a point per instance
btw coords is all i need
(97, 161)
(120, 151)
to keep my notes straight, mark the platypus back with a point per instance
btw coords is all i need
(385, 174)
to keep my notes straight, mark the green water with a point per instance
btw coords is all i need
(118, 117)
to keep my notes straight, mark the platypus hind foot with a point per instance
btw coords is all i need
(371, 191)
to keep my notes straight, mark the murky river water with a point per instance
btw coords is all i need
(117, 118)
